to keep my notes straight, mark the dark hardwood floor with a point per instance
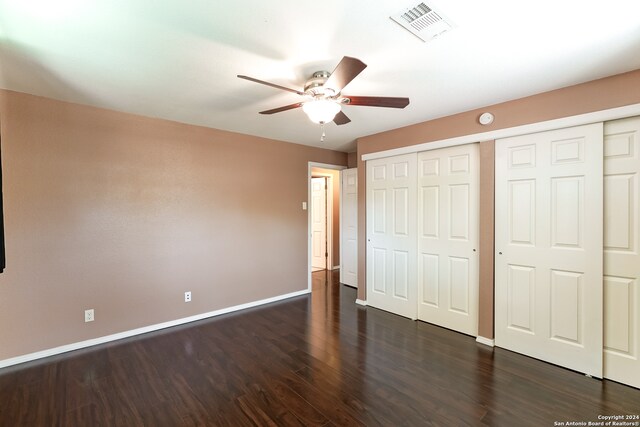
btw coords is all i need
(310, 360)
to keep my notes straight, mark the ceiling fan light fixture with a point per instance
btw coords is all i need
(323, 101)
(321, 110)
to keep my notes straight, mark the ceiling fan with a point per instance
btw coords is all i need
(324, 100)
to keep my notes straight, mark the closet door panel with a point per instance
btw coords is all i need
(621, 252)
(548, 268)
(391, 234)
(448, 213)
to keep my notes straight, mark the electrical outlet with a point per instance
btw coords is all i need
(89, 315)
(187, 296)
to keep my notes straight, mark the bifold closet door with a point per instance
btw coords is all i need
(549, 236)
(391, 234)
(349, 227)
(622, 251)
(448, 213)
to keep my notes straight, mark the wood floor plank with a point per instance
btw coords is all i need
(266, 408)
(317, 359)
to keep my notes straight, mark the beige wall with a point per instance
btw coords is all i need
(352, 160)
(486, 236)
(610, 92)
(123, 213)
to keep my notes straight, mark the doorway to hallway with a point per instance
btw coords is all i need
(323, 217)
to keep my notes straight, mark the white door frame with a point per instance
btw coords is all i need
(329, 216)
(615, 113)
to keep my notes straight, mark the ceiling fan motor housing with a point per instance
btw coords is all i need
(315, 85)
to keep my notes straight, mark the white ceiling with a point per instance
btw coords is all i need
(178, 59)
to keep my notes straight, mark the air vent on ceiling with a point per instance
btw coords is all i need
(423, 22)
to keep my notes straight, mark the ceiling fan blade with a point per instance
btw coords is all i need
(347, 70)
(341, 118)
(377, 101)
(280, 109)
(251, 79)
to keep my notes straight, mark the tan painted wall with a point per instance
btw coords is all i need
(352, 160)
(486, 236)
(123, 213)
(610, 92)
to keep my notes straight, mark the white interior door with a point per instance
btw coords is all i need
(391, 234)
(318, 223)
(621, 251)
(549, 229)
(349, 228)
(448, 213)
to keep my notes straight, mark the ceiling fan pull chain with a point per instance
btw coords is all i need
(323, 134)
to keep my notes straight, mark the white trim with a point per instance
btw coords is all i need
(485, 341)
(326, 166)
(126, 334)
(361, 302)
(565, 122)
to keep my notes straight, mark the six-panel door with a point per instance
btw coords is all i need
(622, 251)
(349, 225)
(448, 214)
(548, 241)
(391, 228)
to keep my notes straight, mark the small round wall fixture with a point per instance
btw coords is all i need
(485, 119)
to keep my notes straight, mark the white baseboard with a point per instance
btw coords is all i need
(485, 341)
(126, 334)
(361, 302)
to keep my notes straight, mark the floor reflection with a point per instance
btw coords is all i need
(324, 317)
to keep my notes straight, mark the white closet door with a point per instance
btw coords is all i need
(549, 246)
(349, 228)
(319, 223)
(622, 251)
(391, 234)
(448, 212)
